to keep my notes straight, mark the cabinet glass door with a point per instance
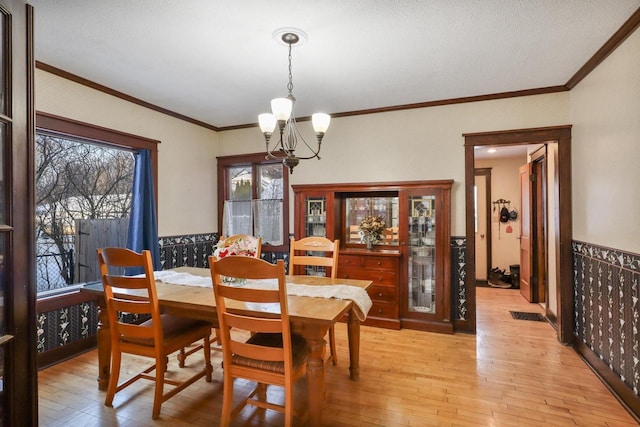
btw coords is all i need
(357, 208)
(422, 254)
(316, 216)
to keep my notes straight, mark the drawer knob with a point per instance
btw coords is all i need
(346, 276)
(379, 294)
(347, 262)
(379, 279)
(380, 310)
(379, 263)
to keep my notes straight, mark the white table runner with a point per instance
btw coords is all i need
(359, 296)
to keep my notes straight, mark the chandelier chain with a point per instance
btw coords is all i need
(290, 84)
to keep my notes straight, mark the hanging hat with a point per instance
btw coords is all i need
(513, 215)
(504, 215)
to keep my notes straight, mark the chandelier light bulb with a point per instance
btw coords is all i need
(267, 122)
(281, 108)
(320, 122)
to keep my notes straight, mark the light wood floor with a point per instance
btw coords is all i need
(512, 373)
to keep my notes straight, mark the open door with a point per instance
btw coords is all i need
(18, 368)
(526, 288)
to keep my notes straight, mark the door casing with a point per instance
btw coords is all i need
(564, 277)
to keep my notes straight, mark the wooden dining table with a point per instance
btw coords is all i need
(310, 317)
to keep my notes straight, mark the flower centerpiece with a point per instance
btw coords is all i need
(371, 228)
(237, 247)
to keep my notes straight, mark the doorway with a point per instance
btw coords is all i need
(561, 136)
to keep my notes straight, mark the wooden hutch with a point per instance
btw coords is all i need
(410, 265)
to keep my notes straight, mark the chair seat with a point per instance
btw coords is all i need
(173, 327)
(299, 351)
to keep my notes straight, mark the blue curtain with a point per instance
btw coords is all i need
(143, 223)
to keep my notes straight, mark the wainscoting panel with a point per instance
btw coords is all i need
(458, 277)
(607, 308)
(190, 250)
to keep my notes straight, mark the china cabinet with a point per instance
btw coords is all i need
(410, 264)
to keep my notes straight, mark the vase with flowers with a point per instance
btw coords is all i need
(237, 247)
(371, 228)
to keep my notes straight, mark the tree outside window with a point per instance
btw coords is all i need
(76, 180)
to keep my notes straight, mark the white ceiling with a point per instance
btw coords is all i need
(503, 151)
(216, 61)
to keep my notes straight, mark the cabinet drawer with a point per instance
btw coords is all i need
(383, 293)
(350, 260)
(383, 263)
(378, 277)
(384, 309)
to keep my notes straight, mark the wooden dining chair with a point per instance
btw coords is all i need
(248, 246)
(317, 252)
(157, 337)
(271, 355)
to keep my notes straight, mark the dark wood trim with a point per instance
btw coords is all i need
(539, 229)
(64, 126)
(93, 85)
(610, 45)
(625, 395)
(564, 253)
(67, 126)
(518, 136)
(564, 279)
(65, 352)
(254, 159)
(426, 104)
(371, 187)
(19, 404)
(62, 300)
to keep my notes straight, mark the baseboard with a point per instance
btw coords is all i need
(629, 400)
(65, 352)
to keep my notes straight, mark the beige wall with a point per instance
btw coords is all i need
(505, 184)
(418, 144)
(605, 113)
(186, 155)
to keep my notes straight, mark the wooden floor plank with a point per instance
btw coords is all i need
(512, 372)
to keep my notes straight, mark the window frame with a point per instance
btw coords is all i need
(253, 160)
(74, 129)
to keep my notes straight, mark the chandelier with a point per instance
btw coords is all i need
(283, 116)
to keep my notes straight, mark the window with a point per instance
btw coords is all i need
(253, 199)
(84, 177)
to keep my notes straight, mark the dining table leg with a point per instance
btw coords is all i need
(315, 378)
(104, 345)
(353, 331)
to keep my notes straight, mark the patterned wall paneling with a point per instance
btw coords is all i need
(458, 277)
(60, 327)
(607, 307)
(190, 250)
